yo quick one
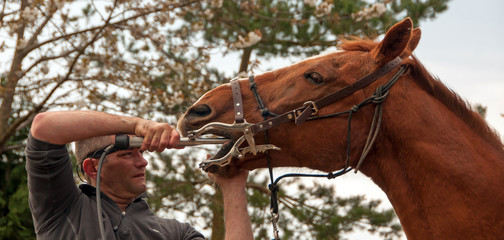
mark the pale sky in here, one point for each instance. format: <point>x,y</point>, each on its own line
<point>464,48</point>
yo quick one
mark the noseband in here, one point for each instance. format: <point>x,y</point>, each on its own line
<point>309,111</point>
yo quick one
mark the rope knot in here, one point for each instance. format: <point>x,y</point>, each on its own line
<point>354,108</point>
<point>253,86</point>
<point>265,112</point>
<point>379,99</point>
<point>274,200</point>
<point>273,188</point>
<point>380,95</point>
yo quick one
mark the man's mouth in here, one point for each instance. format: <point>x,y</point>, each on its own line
<point>140,175</point>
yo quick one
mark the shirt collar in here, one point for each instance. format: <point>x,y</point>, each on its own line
<point>91,191</point>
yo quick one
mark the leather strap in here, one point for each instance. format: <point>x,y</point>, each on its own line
<point>237,100</point>
<point>303,115</point>
<point>300,115</point>
<point>360,84</point>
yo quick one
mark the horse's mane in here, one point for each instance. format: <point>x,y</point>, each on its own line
<point>437,89</point>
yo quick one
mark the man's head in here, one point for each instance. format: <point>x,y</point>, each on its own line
<point>85,148</point>
<point>123,171</point>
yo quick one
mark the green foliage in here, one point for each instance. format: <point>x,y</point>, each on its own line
<point>298,28</point>
<point>327,216</point>
<point>481,110</point>
<point>15,215</point>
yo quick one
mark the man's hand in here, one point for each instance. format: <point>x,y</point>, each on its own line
<point>232,184</point>
<point>157,136</point>
<point>236,182</point>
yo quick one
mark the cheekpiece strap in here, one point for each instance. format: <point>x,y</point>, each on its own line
<point>237,100</point>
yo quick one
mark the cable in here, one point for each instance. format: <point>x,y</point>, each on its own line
<point>122,142</point>
<point>98,192</point>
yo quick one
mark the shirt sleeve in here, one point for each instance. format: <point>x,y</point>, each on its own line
<point>178,230</point>
<point>192,234</point>
<point>51,185</point>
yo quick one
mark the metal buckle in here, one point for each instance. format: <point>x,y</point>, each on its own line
<point>315,108</point>
<point>295,113</point>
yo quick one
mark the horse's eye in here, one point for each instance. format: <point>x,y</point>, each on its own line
<point>314,77</point>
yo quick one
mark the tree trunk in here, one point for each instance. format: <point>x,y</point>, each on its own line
<point>218,227</point>
<point>7,95</point>
<point>245,60</point>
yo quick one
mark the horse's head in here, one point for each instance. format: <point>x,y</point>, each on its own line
<point>318,144</point>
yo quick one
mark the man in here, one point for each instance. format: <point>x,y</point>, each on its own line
<point>61,210</point>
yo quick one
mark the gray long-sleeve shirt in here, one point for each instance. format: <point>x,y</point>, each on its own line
<point>61,210</point>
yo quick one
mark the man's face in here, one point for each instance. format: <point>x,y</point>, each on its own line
<point>123,174</point>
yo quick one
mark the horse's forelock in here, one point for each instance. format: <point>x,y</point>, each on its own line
<point>357,44</point>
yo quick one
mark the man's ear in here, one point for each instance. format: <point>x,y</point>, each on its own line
<point>90,166</point>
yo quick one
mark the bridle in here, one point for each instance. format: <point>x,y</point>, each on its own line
<point>309,111</point>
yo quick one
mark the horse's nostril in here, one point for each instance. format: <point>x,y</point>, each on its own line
<point>200,111</point>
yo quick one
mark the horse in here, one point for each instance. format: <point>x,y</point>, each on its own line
<point>439,163</point>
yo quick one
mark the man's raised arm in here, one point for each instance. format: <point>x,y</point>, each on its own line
<point>68,126</point>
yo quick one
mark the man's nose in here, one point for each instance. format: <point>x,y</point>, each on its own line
<point>140,160</point>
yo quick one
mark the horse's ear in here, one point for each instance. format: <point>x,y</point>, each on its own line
<point>413,42</point>
<point>395,42</point>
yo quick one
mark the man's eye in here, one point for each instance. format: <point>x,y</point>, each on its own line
<point>125,154</point>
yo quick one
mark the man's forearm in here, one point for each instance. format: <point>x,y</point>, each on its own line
<point>68,126</point>
<point>236,216</point>
<point>237,220</point>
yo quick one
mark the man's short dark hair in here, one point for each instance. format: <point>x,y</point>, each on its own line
<point>85,147</point>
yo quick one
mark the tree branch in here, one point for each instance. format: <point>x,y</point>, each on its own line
<point>101,27</point>
<point>12,147</point>
<point>12,128</point>
<point>46,58</point>
<point>2,13</point>
<point>37,32</point>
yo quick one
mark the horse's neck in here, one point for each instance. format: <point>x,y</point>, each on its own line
<point>443,179</point>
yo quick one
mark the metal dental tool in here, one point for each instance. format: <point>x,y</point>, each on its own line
<point>235,151</point>
<point>136,142</point>
<point>194,138</point>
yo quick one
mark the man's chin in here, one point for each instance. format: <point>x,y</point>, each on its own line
<point>139,188</point>
<point>142,189</point>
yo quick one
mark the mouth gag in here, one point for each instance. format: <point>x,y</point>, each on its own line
<point>195,138</point>
<point>235,151</point>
